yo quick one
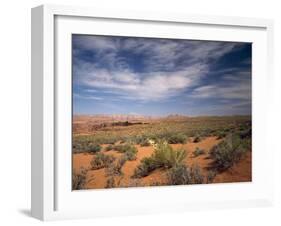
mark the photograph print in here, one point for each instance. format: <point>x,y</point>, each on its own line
<point>160,112</point>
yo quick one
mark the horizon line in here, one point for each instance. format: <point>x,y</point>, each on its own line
<point>162,116</point>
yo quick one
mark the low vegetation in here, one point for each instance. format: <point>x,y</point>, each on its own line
<point>145,143</point>
<point>163,157</point>
<point>226,141</point>
<point>101,161</point>
<point>181,174</point>
<point>171,130</point>
<point>110,182</point>
<point>86,147</point>
<point>229,151</point>
<point>130,151</point>
<point>177,139</point>
<point>197,152</point>
<point>146,166</point>
<point>79,179</point>
<point>211,176</point>
<point>109,147</point>
<point>115,169</point>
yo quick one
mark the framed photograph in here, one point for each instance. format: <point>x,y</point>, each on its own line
<point>137,112</point>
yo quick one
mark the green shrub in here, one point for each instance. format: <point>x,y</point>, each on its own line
<point>198,152</point>
<point>145,143</point>
<point>178,175</point>
<point>221,134</point>
<point>109,147</point>
<point>77,147</point>
<point>115,169</point>
<point>163,156</point>
<point>131,155</point>
<point>177,139</point>
<point>110,140</point>
<point>140,139</point>
<point>122,148</point>
<point>246,134</point>
<point>181,174</point>
<point>93,148</point>
<point>101,161</point>
<point>196,175</point>
<point>85,146</point>
<point>228,151</point>
<point>129,151</point>
<point>146,166</point>
<point>79,179</point>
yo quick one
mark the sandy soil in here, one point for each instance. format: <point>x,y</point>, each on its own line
<point>240,172</point>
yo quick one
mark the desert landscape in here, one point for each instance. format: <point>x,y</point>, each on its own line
<point>129,150</point>
<point>150,111</point>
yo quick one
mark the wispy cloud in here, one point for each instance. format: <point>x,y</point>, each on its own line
<point>153,70</point>
<point>142,86</point>
<point>91,97</point>
<point>232,86</point>
<point>169,67</point>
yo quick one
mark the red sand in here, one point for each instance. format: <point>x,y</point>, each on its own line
<point>240,172</point>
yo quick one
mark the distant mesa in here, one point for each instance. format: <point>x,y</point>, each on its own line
<point>176,116</point>
<point>125,117</point>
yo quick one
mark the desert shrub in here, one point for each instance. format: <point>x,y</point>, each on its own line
<point>247,144</point>
<point>79,179</point>
<point>110,183</point>
<point>129,151</point>
<point>196,175</point>
<point>141,139</point>
<point>197,139</point>
<point>109,147</point>
<point>246,134</point>
<point>93,148</point>
<point>122,148</point>
<point>198,152</point>
<point>131,155</point>
<point>133,183</point>
<point>177,139</point>
<point>101,161</point>
<point>163,156</point>
<point>85,146</point>
<point>146,166</point>
<point>211,176</point>
<point>145,143</point>
<point>76,147</point>
<point>228,151</point>
<point>115,169</point>
<point>221,134</point>
<point>181,174</point>
<point>109,140</point>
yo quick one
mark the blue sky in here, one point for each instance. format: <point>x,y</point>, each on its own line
<point>158,77</point>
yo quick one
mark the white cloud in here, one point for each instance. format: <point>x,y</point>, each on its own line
<point>231,87</point>
<point>141,86</point>
<point>88,97</point>
<point>169,67</point>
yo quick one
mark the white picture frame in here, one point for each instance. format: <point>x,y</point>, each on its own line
<point>52,197</point>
